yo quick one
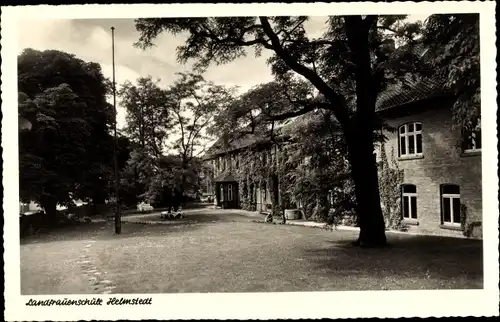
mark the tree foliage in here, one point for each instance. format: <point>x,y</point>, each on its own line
<point>180,114</point>
<point>454,42</point>
<point>67,153</point>
<point>194,104</point>
<point>148,115</point>
<point>315,169</point>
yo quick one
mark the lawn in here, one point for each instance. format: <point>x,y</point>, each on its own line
<point>243,256</point>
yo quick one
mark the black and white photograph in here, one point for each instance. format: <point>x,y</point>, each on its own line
<point>262,160</point>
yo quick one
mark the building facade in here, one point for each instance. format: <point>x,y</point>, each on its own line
<point>441,165</point>
<point>441,188</point>
<point>224,183</point>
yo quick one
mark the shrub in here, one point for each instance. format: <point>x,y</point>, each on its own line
<point>463,220</point>
<point>390,180</point>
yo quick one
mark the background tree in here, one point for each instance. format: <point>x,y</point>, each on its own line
<point>67,153</point>
<point>348,66</point>
<point>194,103</point>
<point>148,118</point>
<point>148,124</point>
<point>453,40</point>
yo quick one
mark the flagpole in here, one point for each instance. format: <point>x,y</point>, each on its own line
<point>118,223</point>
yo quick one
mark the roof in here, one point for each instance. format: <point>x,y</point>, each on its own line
<point>394,96</point>
<point>240,142</point>
<point>408,91</point>
<point>243,141</point>
<point>399,94</point>
<point>225,177</point>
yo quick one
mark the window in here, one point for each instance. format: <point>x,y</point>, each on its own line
<point>237,161</point>
<point>230,192</point>
<point>409,201</point>
<point>472,137</point>
<point>450,204</point>
<point>410,139</point>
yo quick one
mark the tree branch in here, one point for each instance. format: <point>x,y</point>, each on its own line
<point>240,41</point>
<point>304,110</point>
<point>288,33</point>
<point>179,117</point>
<point>337,102</point>
<point>387,28</point>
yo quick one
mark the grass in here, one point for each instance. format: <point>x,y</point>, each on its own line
<point>233,255</point>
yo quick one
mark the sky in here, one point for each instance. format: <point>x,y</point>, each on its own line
<point>90,40</point>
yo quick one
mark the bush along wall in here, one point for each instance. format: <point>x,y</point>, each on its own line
<point>390,179</point>
<point>251,174</point>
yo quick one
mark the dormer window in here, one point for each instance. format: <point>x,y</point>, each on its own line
<point>472,137</point>
<point>410,139</point>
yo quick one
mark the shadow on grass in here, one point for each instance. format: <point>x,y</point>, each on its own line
<point>106,231</point>
<point>84,231</point>
<point>414,257</point>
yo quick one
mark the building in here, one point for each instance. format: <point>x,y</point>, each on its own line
<point>441,188</point>
<point>225,165</point>
<point>441,164</point>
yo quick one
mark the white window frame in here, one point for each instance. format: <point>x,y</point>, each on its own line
<point>409,195</point>
<point>407,140</point>
<point>230,192</point>
<point>473,133</point>
<point>450,197</point>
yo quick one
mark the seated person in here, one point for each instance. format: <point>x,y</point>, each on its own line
<point>178,213</point>
<point>166,214</point>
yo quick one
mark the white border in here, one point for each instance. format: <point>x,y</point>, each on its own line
<point>256,305</point>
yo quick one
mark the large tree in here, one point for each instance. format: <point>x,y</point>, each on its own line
<point>348,66</point>
<point>66,154</point>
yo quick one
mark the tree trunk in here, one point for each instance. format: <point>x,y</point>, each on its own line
<point>49,205</point>
<point>365,177</point>
<point>97,202</point>
<point>359,135</point>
